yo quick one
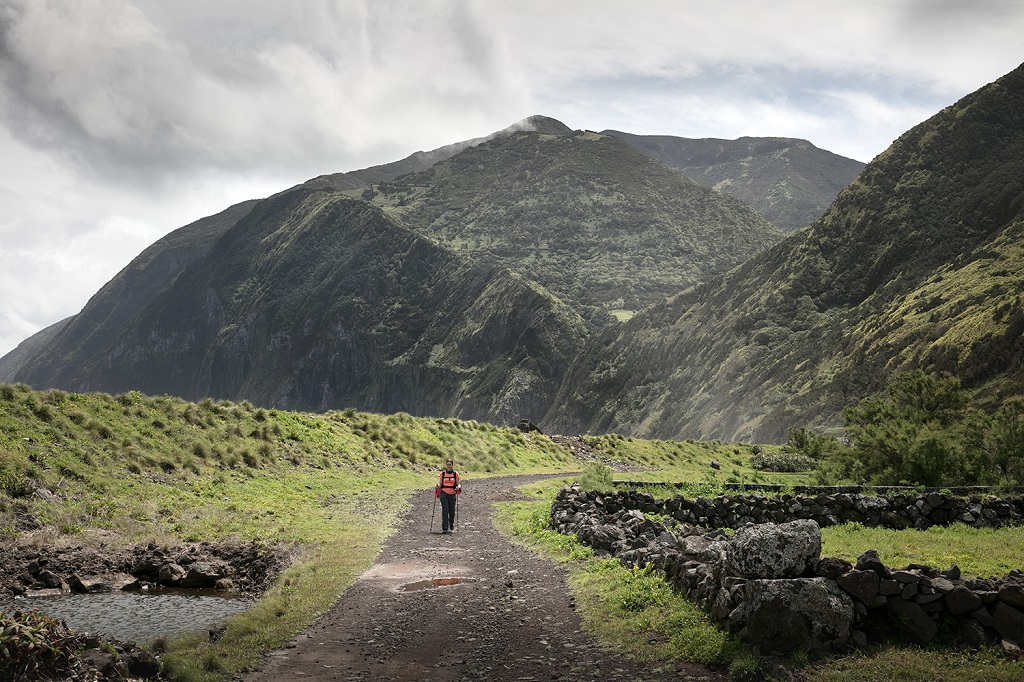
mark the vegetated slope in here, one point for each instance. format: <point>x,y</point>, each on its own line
<point>916,265</point>
<point>317,301</point>
<point>788,181</point>
<point>598,223</point>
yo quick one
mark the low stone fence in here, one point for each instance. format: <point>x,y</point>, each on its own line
<point>769,584</point>
<point>897,510</point>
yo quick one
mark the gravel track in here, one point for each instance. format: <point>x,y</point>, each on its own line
<point>513,619</point>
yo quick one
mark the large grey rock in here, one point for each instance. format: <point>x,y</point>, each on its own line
<point>202,574</point>
<point>962,600</point>
<point>774,550</point>
<point>1008,622</point>
<point>912,617</point>
<point>49,578</point>
<point>103,583</point>
<point>170,574</point>
<point>863,585</point>
<point>870,561</point>
<point>783,616</point>
<point>1012,594</point>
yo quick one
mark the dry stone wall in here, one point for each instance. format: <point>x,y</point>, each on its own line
<point>769,584</point>
<point>896,510</point>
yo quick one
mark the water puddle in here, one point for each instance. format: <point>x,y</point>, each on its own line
<point>136,616</point>
<point>431,583</point>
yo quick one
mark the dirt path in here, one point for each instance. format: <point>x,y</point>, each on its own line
<point>513,621</point>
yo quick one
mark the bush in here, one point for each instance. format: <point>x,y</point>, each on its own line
<point>34,645</point>
<point>782,462</point>
<point>598,477</point>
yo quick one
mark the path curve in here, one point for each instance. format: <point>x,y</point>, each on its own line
<point>514,621</point>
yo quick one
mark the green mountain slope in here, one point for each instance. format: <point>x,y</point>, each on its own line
<point>916,264</point>
<point>315,301</point>
<point>788,181</point>
<point>598,223</point>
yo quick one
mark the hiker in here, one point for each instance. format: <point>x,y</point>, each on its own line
<point>448,486</point>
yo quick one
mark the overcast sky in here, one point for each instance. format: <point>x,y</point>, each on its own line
<point>121,121</point>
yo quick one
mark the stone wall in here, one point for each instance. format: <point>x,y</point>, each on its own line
<point>769,584</point>
<point>897,510</point>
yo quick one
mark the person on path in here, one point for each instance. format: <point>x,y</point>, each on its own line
<point>448,486</point>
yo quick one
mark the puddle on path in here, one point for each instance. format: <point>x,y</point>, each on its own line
<point>136,616</point>
<point>431,583</point>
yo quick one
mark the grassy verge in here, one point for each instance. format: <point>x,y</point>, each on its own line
<point>633,611</point>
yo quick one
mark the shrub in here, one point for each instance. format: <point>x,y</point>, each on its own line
<point>34,645</point>
<point>598,477</point>
<point>782,462</point>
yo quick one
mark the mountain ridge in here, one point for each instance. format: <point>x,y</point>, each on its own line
<point>789,181</point>
<point>773,343</point>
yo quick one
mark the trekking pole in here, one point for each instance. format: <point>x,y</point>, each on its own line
<point>455,516</point>
<point>433,512</point>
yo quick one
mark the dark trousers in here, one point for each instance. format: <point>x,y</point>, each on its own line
<point>447,511</point>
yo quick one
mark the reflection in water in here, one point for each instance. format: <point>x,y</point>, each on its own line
<point>432,583</point>
<point>135,616</point>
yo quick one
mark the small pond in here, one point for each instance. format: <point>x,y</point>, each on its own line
<point>136,616</point>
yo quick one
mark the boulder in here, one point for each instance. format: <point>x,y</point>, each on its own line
<point>912,617</point>
<point>774,550</point>
<point>103,583</point>
<point>962,600</point>
<point>1008,622</point>
<point>869,561</point>
<point>970,633</point>
<point>863,585</point>
<point>800,614</point>
<point>49,578</point>
<point>1010,593</point>
<point>202,574</point>
<point>170,575</point>
<point>142,664</point>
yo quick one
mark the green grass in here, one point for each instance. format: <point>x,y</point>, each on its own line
<point>914,664</point>
<point>979,552</point>
<point>633,611</point>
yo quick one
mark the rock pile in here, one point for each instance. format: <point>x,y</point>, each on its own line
<point>769,584</point>
<point>247,568</point>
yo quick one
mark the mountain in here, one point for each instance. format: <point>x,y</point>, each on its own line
<point>788,181</point>
<point>313,300</point>
<point>598,223</point>
<point>27,349</point>
<point>918,264</point>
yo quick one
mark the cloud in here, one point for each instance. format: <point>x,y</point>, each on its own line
<point>143,91</point>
